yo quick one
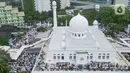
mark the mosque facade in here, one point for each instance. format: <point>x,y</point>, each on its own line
<point>79,43</point>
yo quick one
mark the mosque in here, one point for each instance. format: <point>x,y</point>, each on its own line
<point>79,43</point>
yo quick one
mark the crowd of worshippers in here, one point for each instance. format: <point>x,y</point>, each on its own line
<point>122,35</point>
<point>94,66</point>
<point>128,41</point>
<point>26,39</point>
<point>40,63</point>
<point>126,55</point>
<point>25,62</point>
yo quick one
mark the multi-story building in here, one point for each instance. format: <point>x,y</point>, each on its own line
<point>65,3</point>
<point>10,16</point>
<point>45,5</point>
<point>42,5</point>
<point>105,1</point>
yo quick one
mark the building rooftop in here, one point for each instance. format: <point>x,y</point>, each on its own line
<point>21,14</point>
<point>8,8</point>
<point>14,10</point>
<point>2,3</point>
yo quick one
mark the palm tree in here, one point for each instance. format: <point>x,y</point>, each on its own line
<point>3,67</point>
<point>4,56</point>
<point>23,72</point>
<point>4,59</point>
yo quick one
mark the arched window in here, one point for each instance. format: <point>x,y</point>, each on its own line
<point>91,57</point>
<point>75,35</point>
<point>78,35</point>
<point>62,57</point>
<point>72,34</point>
<point>107,57</point>
<point>54,57</point>
<point>82,34</point>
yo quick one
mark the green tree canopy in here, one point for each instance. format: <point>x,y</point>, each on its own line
<point>4,59</point>
<point>90,15</point>
<point>115,27</point>
<point>3,67</point>
<point>107,15</point>
<point>23,72</point>
<point>28,6</point>
<point>4,40</point>
<point>63,19</point>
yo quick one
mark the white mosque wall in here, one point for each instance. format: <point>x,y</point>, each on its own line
<point>81,58</point>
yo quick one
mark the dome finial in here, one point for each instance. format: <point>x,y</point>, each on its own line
<point>95,23</point>
<point>79,12</point>
<point>54,3</point>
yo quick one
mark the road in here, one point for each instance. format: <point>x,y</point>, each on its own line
<point>88,5</point>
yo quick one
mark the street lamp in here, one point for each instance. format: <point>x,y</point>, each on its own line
<point>97,8</point>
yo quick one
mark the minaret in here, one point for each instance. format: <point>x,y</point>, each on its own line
<point>54,6</point>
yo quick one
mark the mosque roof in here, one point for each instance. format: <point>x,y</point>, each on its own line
<point>94,41</point>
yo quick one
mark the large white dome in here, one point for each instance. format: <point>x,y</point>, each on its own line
<point>78,23</point>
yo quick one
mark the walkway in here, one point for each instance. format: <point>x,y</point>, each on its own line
<point>120,46</point>
<point>15,53</point>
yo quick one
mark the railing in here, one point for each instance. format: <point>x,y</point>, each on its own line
<point>27,46</point>
<point>125,60</point>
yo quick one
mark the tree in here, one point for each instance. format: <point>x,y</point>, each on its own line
<point>3,67</point>
<point>4,40</point>
<point>90,15</point>
<point>61,12</point>
<point>62,20</point>
<point>123,19</point>
<point>29,6</point>
<point>4,56</point>
<point>23,72</point>
<point>115,27</point>
<point>107,15</point>
<point>4,59</point>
